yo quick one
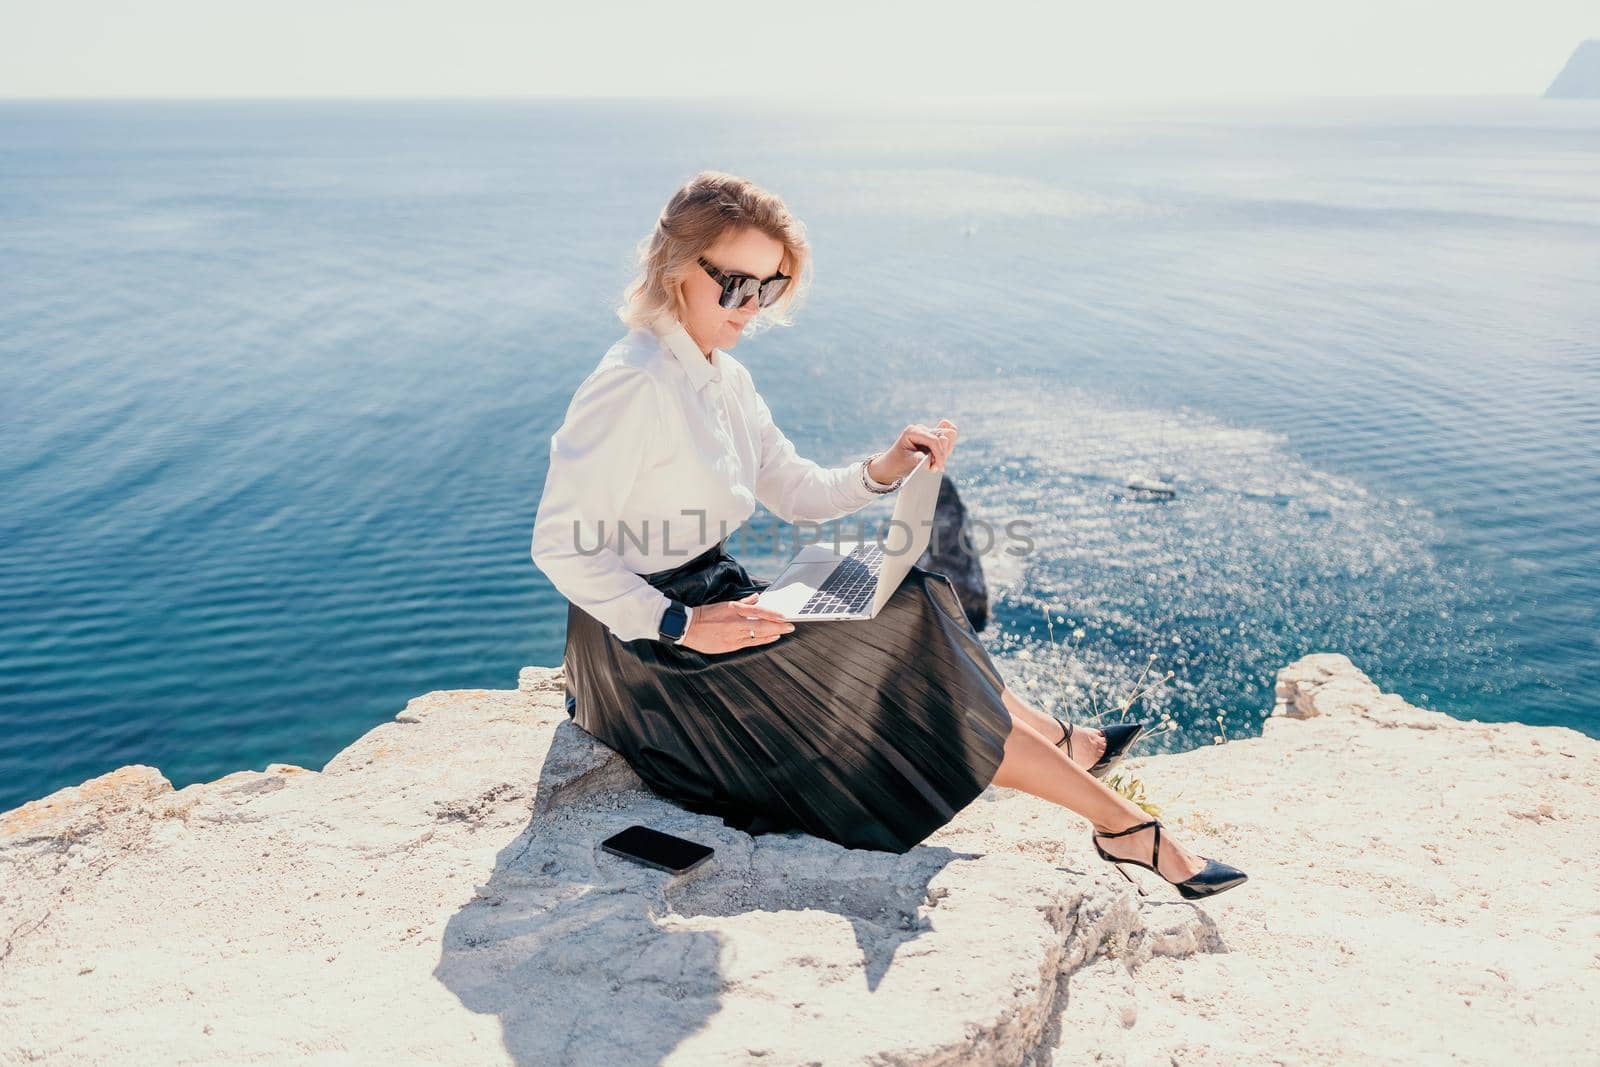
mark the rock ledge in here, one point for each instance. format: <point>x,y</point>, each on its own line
<point>1420,887</point>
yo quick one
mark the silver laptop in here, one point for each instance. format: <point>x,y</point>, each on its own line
<point>855,582</point>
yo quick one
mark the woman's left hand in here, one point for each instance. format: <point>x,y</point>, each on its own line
<point>901,457</point>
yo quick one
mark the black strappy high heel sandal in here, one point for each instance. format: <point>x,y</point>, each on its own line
<point>1119,738</point>
<point>1212,879</point>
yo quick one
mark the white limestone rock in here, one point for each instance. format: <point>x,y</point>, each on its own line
<point>437,894</point>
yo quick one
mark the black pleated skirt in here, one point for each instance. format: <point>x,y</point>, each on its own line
<point>870,733</point>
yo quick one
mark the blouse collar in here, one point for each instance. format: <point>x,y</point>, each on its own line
<point>677,340</point>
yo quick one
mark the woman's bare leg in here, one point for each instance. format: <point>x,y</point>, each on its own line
<point>1034,765</point>
<point>1088,744</point>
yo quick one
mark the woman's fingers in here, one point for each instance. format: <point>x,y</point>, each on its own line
<point>762,633</point>
<point>747,617</point>
<point>767,615</point>
<point>947,432</point>
<point>763,614</point>
<point>739,624</point>
<point>936,446</point>
<point>938,441</point>
<point>747,608</point>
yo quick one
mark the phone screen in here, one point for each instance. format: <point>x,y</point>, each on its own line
<point>656,849</point>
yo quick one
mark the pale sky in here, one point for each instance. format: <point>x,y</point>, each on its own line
<point>1209,48</point>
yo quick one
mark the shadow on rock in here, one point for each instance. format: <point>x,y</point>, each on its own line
<point>588,957</point>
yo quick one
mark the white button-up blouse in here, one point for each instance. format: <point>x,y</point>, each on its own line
<point>661,454</point>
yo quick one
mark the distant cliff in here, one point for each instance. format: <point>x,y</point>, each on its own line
<point>1580,78</point>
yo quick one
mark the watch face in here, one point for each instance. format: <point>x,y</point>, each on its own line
<point>674,622</point>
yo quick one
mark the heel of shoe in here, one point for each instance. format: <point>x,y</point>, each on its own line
<point>1131,880</point>
<point>1120,737</point>
<point>1117,863</point>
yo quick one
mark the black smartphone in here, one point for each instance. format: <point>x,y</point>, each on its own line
<point>656,849</point>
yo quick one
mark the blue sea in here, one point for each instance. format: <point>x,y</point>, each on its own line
<point>277,381</point>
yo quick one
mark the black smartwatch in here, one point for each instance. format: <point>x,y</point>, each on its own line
<point>674,622</point>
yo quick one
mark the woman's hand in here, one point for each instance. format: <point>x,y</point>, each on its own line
<point>732,624</point>
<point>901,457</point>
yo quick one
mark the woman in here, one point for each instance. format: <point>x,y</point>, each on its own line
<point>873,733</point>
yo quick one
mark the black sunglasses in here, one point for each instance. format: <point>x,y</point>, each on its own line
<point>737,288</point>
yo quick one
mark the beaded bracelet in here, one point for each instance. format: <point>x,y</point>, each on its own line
<point>866,479</point>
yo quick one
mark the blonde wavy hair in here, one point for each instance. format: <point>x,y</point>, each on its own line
<point>707,206</point>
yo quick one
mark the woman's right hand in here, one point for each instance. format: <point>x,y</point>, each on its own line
<point>733,624</point>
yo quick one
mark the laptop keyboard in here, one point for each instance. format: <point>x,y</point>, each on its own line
<point>851,585</point>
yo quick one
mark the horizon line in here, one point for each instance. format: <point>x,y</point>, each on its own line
<point>792,98</point>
